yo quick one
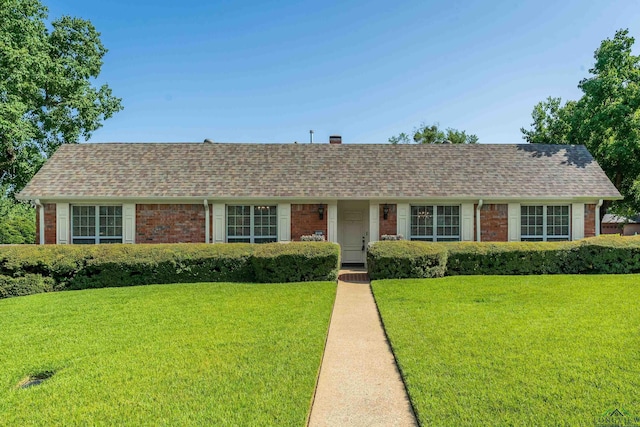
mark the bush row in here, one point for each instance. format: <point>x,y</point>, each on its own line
<point>599,255</point>
<point>81,267</point>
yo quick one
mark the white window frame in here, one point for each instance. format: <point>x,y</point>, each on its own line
<point>434,237</point>
<point>252,237</point>
<point>96,237</point>
<point>545,237</point>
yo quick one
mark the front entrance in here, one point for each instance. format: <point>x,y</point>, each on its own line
<point>353,225</point>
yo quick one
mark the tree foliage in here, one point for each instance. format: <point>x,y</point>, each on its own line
<point>47,96</point>
<point>432,134</point>
<point>606,118</point>
<point>17,222</point>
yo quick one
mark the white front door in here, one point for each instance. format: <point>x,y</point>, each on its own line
<point>353,237</point>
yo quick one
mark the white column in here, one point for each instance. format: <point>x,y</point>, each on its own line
<point>466,234</point>
<point>62,223</point>
<point>129,222</point>
<point>374,222</point>
<point>332,222</point>
<point>207,222</point>
<point>514,222</point>
<point>577,221</point>
<point>284,222</point>
<point>218,222</point>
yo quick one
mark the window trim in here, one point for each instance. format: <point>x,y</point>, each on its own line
<point>545,237</point>
<point>434,237</point>
<point>97,238</point>
<point>252,236</point>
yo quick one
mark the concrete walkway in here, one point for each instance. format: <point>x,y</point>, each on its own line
<point>359,383</point>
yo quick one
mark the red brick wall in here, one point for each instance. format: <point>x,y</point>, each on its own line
<point>389,225</point>
<point>494,223</point>
<point>589,220</point>
<point>49,224</point>
<point>170,223</point>
<point>305,220</point>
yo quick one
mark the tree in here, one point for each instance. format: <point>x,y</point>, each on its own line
<point>17,222</point>
<point>606,118</point>
<point>46,93</point>
<point>432,134</point>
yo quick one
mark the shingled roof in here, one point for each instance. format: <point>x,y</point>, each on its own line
<point>319,171</point>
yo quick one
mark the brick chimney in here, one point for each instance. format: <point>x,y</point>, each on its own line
<point>335,139</point>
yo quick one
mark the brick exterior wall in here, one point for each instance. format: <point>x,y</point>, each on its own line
<point>49,224</point>
<point>589,220</point>
<point>305,220</point>
<point>170,223</point>
<point>389,225</point>
<point>494,223</point>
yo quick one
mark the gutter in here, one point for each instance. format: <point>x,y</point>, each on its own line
<point>600,202</point>
<point>478,233</point>
<point>40,207</point>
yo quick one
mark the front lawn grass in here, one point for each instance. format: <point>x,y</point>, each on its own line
<point>525,350</point>
<point>189,354</point>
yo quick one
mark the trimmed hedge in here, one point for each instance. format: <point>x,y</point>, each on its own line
<point>403,259</point>
<point>597,255</point>
<point>98,266</point>
<point>27,285</point>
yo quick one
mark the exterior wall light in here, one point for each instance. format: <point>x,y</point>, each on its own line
<point>385,212</point>
<point>321,211</point>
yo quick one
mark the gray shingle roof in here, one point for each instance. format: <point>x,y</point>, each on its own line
<point>162,170</point>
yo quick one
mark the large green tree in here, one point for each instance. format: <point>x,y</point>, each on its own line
<point>432,134</point>
<point>606,118</point>
<point>47,91</point>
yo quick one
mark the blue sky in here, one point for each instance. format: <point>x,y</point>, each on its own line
<point>268,71</point>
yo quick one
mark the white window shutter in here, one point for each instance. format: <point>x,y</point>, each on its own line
<point>129,222</point>
<point>284,222</point>
<point>514,222</point>
<point>577,221</point>
<point>403,225</point>
<point>466,233</point>
<point>218,223</point>
<point>62,223</point>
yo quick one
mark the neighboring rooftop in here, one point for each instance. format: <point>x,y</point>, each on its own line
<point>615,219</point>
<point>324,171</point>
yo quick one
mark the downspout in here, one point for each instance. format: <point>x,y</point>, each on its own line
<point>478,233</point>
<point>40,207</point>
<point>600,202</point>
<point>206,221</point>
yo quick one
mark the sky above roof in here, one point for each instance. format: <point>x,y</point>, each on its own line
<point>269,71</point>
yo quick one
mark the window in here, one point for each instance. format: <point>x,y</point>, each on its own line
<point>96,224</point>
<point>435,223</point>
<point>252,224</point>
<point>544,223</point>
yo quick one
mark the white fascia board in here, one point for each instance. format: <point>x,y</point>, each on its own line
<point>313,200</point>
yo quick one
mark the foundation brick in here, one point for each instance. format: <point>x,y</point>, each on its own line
<point>389,225</point>
<point>171,223</point>
<point>305,220</point>
<point>494,223</point>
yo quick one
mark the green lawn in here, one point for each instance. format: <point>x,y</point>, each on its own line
<point>194,354</point>
<point>526,350</point>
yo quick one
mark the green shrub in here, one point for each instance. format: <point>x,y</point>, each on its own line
<point>130,265</point>
<point>505,258</point>
<point>403,259</point>
<point>26,285</point>
<point>99,266</point>
<point>598,255</point>
<point>296,262</point>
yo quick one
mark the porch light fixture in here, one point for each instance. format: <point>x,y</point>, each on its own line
<point>385,212</point>
<point>321,211</point>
